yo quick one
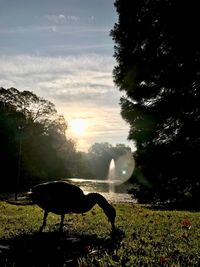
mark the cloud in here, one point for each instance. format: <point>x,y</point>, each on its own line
<point>79,86</point>
<point>73,18</point>
<point>26,29</point>
<point>56,19</point>
<point>66,79</point>
<point>92,18</point>
<point>60,19</point>
<point>57,25</point>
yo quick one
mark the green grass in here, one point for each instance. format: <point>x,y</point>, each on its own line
<point>145,237</point>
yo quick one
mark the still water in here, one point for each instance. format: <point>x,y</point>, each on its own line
<point>102,187</point>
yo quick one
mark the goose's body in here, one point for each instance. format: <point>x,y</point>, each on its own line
<point>61,198</point>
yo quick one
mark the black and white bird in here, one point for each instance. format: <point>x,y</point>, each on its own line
<point>60,197</point>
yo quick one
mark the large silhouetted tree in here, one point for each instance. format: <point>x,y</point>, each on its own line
<point>34,146</point>
<point>157,48</point>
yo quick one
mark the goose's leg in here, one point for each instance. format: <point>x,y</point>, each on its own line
<point>44,220</point>
<point>61,222</point>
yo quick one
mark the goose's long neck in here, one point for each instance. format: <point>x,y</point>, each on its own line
<point>95,198</point>
<point>102,202</point>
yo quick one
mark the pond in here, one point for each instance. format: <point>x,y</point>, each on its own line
<point>102,187</point>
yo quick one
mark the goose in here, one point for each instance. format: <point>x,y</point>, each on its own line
<point>60,197</point>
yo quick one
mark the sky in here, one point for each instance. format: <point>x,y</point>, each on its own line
<point>61,50</point>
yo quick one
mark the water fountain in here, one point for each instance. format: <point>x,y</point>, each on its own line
<point>111,176</point>
<point>120,170</point>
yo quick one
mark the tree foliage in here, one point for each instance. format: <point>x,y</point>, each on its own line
<point>33,143</point>
<point>157,48</point>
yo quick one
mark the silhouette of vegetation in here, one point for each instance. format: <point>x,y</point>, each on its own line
<point>34,146</point>
<point>157,48</point>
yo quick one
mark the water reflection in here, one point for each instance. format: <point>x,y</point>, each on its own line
<point>102,187</point>
<point>90,185</point>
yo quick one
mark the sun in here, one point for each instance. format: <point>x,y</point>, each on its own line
<point>78,126</point>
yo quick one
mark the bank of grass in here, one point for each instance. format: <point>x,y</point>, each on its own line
<point>145,237</point>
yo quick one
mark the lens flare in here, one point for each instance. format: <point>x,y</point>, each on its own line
<point>124,167</point>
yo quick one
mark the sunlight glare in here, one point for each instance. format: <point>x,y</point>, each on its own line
<point>78,126</point>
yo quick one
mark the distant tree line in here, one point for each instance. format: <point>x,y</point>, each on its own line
<point>157,48</point>
<point>100,155</point>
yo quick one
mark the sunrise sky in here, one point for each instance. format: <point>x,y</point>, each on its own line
<point>61,50</point>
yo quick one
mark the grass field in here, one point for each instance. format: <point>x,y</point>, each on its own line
<point>145,237</point>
